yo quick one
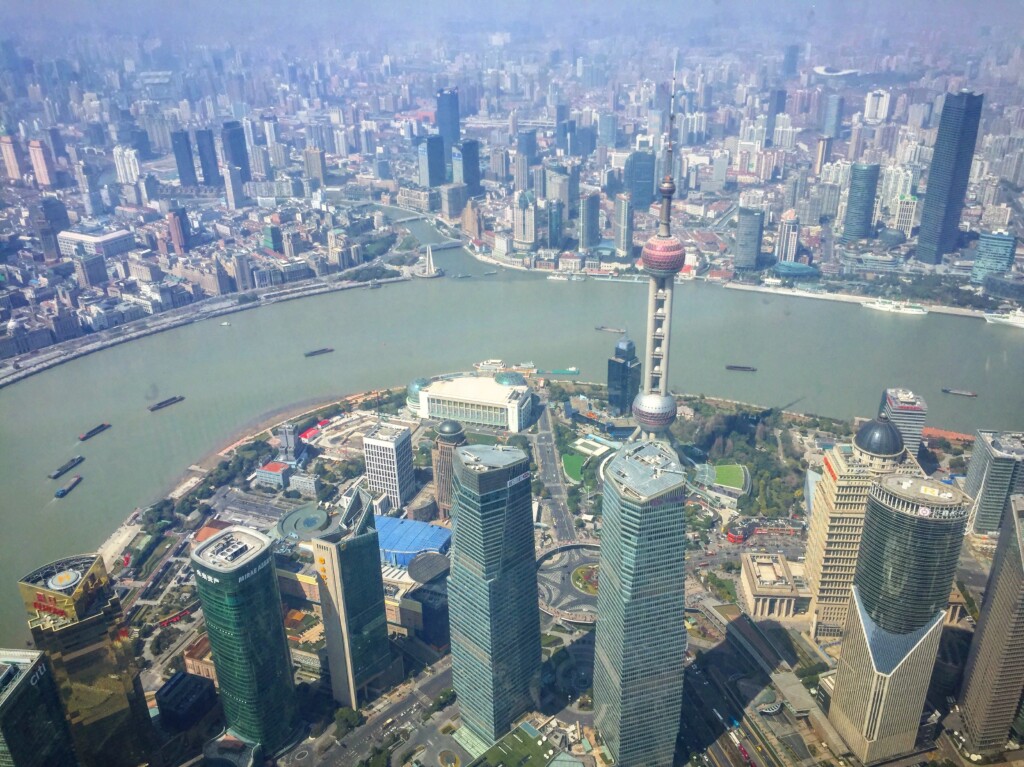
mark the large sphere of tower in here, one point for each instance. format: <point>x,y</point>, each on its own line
<point>654,412</point>
<point>663,256</point>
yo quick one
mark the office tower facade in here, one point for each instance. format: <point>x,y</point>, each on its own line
<point>590,220</point>
<point>126,164</point>
<point>638,178</point>
<point>994,255</point>
<point>994,674</point>
<point>50,220</point>
<point>906,214</point>
<point>776,106</point>
<point>554,223</point>
<point>14,161</point>
<point>996,472</point>
<point>521,172</point>
<point>790,57</point>
<point>948,175</point>
<point>833,123</point>
<point>232,137</point>
<point>908,411</point>
<point>387,450</point>
<point>822,154</point>
<point>524,222</point>
<point>237,586</point>
<point>837,518</point>
<point>208,158</point>
<point>33,730</point>
<point>179,229</point>
<point>430,154</point>
<point>466,165</point>
<point>623,226</point>
<point>859,223</point>
<point>234,195</point>
<point>450,436</point>
<point>787,241</point>
<point>526,145</point>
<point>183,159</point>
<point>75,617</point>
<point>352,599</point>
<point>447,119</point>
<point>913,532</point>
<point>242,271</point>
<point>315,162</point>
<point>638,672</point>
<point>877,106</point>
<point>492,589</point>
<point>749,235</point>
<point>42,164</point>
<point>624,373</point>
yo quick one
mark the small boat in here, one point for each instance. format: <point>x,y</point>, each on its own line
<point>559,277</point>
<point>490,273</point>
<point>741,368</point>
<point>225,324</point>
<point>609,329</point>
<point>895,307</point>
<point>93,432</point>
<point>463,276</point>
<point>64,469</point>
<point>68,487</point>
<point>577,277</point>
<point>490,366</point>
<point>573,371</point>
<point>959,392</point>
<point>318,352</point>
<point>166,403</point>
<point>1014,318</point>
<point>524,367</point>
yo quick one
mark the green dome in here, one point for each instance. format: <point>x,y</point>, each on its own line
<point>412,391</point>
<point>510,378</point>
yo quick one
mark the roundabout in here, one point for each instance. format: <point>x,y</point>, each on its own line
<point>567,582</point>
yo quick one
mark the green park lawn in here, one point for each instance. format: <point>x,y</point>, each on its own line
<point>729,475</point>
<point>573,465</point>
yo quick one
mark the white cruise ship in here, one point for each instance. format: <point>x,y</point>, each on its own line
<point>1014,318</point>
<point>896,307</point>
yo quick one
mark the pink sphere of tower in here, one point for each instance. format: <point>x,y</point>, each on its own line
<point>663,256</point>
<point>654,412</point>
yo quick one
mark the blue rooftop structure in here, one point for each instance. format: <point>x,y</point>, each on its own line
<point>400,540</point>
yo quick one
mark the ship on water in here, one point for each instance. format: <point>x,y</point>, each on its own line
<point>1013,319</point>
<point>318,352</point>
<point>68,487</point>
<point>959,392</point>
<point>741,368</point>
<point>500,366</point>
<point>166,403</point>
<point>93,432</point>
<point>65,468</point>
<point>609,329</point>
<point>895,307</point>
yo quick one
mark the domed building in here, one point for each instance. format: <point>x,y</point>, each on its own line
<point>879,443</point>
<point>450,435</point>
<point>504,401</point>
<point>412,393</point>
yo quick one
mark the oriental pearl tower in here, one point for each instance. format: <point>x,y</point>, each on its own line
<point>663,258</point>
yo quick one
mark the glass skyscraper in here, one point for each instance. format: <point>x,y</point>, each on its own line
<point>749,234</point>
<point>948,176</point>
<point>624,371</point>
<point>232,136</point>
<point>183,158</point>
<point>860,203</point>
<point>208,158</point>
<point>996,472</point>
<point>33,730</point>
<point>466,165</point>
<point>430,155</point>
<point>638,178</point>
<point>447,119</point>
<point>492,588</point>
<point>237,586</point>
<point>640,639</point>
<point>994,255</point>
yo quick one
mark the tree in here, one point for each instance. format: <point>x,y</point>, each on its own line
<point>346,720</point>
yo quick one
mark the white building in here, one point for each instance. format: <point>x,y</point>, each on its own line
<point>387,449</point>
<point>108,244</point>
<point>126,163</point>
<point>504,401</point>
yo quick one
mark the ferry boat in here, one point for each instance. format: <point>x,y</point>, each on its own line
<point>895,307</point>
<point>577,277</point>
<point>741,368</point>
<point>490,366</point>
<point>166,403</point>
<point>609,329</point>
<point>491,273</point>
<point>523,367</point>
<point>573,371</point>
<point>64,469</point>
<point>1014,318</point>
<point>959,392</point>
<point>68,487</point>
<point>462,276</point>
<point>225,324</point>
<point>93,432</point>
<point>559,277</point>
<point>318,352</point>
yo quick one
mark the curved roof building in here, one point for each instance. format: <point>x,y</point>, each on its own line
<point>401,540</point>
<point>880,437</point>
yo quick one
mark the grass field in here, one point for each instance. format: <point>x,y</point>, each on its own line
<point>573,465</point>
<point>517,749</point>
<point>729,475</point>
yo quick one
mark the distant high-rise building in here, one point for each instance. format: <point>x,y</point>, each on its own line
<point>75,617</point>
<point>179,229</point>
<point>860,203</point>
<point>906,212</point>
<point>995,254</point>
<point>492,590</point>
<point>315,162</point>
<point>499,164</point>
<point>348,571</point>
<point>749,234</point>
<point>233,190</point>
<point>56,141</point>
<point>526,145</point>
<point>431,161</point>
<point>50,220</point>
<point>623,226</point>
<point>833,124</point>
<point>387,450</point>
<point>524,221</point>
<point>822,154</point>
<point>450,436</point>
<point>42,164</point>
<point>607,127</point>
<point>447,119</point>
<point>948,175</point>
<point>208,158</point>
<point>33,730</point>
<point>910,547</point>
<point>996,472</point>
<point>787,240</point>
<point>776,106</point>
<point>590,220</point>
<point>232,137</point>
<point>521,172</point>
<point>554,223</point>
<point>126,164</point>
<point>638,178</point>
<point>994,674</point>
<point>183,159</point>
<point>242,271</point>
<point>14,161</point>
<point>624,372</point>
<point>237,586</point>
<point>790,58</point>
<point>908,412</point>
<point>877,106</point>
<point>466,165</point>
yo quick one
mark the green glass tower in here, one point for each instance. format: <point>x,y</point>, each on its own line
<point>641,636</point>
<point>492,589</point>
<point>238,590</point>
<point>33,730</point>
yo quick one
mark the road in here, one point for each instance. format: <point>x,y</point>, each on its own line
<point>549,469</point>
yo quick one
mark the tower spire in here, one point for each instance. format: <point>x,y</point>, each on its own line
<point>668,186</point>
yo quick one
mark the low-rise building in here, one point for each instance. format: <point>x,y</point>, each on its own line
<point>504,401</point>
<point>274,474</point>
<point>772,587</point>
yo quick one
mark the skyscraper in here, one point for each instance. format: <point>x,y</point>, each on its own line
<point>787,241</point>
<point>75,617</point>
<point>233,191</point>
<point>908,412</point>
<point>50,220</point>
<point>315,164</point>
<point>42,164</point>
<point>995,473</point>
<point>14,160</point>
<point>466,165</point>
<point>638,178</point>
<point>232,136</point>
<point>183,159</point>
<point>33,730</point>
<point>994,675</point>
<point>948,176</point>
<point>431,161</point>
<point>526,145</point>
<point>450,435</point>
<point>822,154</point>
<point>994,255</point>
<point>352,600</point>
<point>590,220</point>
<point>495,618</point>
<point>237,586</point>
<point>126,164</point>
<point>178,229</point>
<point>913,531</point>
<point>749,234</point>
<point>447,119</point>
<point>833,123</point>
<point>387,450</point>
<point>624,372</point>
<point>790,57</point>
<point>776,106</point>
<point>208,158</point>
<point>623,226</point>
<point>860,203</point>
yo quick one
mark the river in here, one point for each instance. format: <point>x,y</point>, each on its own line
<point>814,356</point>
